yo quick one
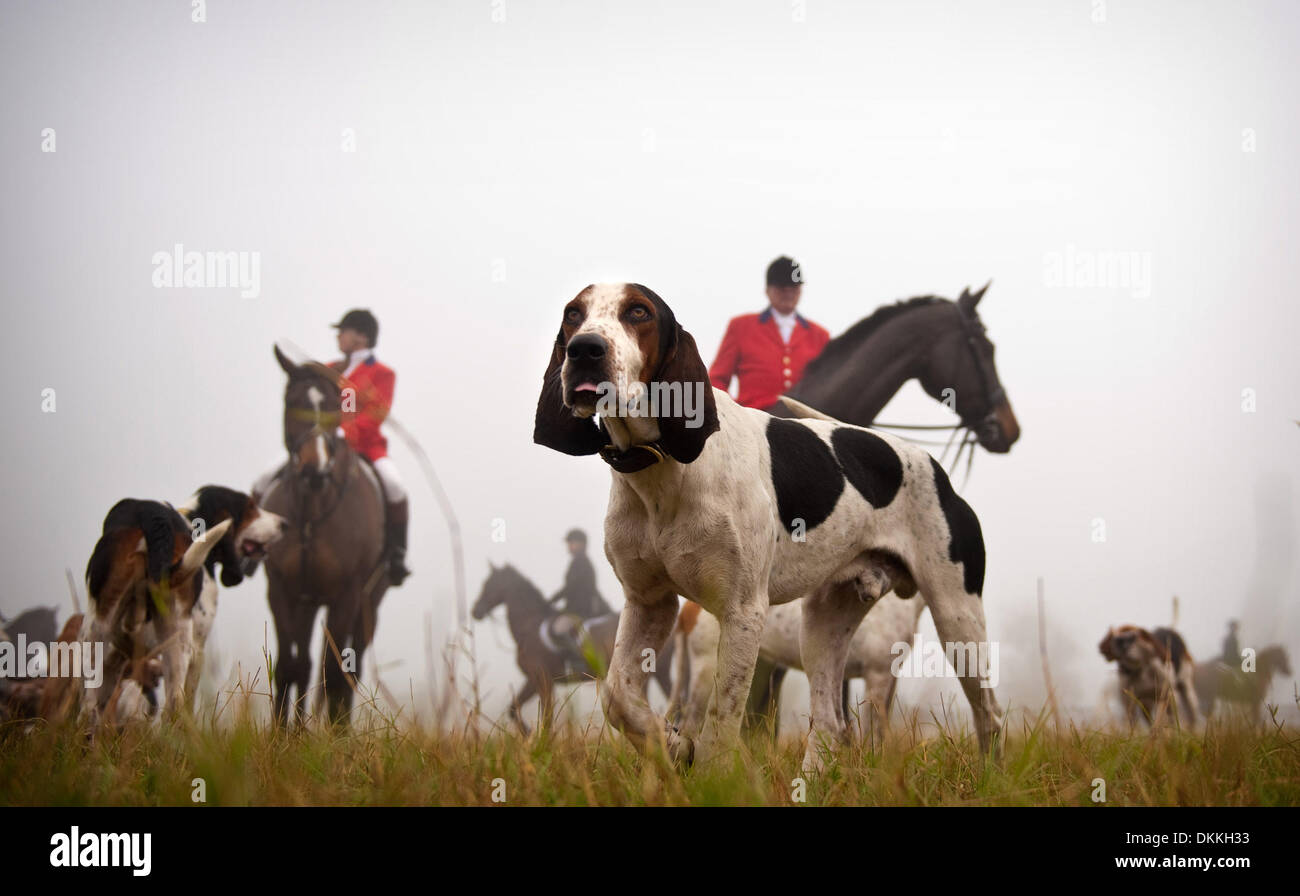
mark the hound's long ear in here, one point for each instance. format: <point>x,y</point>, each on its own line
<point>689,424</point>
<point>555,426</point>
<point>1105,646</point>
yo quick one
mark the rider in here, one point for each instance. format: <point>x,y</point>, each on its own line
<point>363,410</point>
<point>768,351</point>
<point>581,601</point>
<point>1231,647</point>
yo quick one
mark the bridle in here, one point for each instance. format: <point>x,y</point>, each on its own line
<point>324,424</point>
<point>968,430</point>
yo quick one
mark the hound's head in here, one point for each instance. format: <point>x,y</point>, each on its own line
<point>621,353</point>
<point>252,529</point>
<point>1131,647</point>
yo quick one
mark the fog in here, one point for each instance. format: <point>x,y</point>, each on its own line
<point>464,169</point>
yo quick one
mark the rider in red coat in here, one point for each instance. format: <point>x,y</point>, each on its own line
<point>364,409</point>
<point>768,351</point>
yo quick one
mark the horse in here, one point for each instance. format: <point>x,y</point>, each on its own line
<point>942,344</point>
<point>332,552</point>
<point>39,624</point>
<point>529,615</point>
<point>1216,680</point>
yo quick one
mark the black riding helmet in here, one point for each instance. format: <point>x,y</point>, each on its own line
<point>363,322</point>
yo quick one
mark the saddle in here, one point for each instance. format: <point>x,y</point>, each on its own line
<point>565,635</point>
<point>369,471</point>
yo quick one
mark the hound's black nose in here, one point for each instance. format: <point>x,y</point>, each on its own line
<point>587,347</point>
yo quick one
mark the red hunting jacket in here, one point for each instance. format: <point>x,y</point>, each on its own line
<point>374,396</point>
<point>753,351</point>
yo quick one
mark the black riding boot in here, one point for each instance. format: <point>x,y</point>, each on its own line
<point>395,535</point>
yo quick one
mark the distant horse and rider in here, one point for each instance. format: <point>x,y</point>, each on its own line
<point>545,654</point>
<point>1231,678</point>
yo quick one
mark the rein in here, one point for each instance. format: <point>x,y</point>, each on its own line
<point>969,441</point>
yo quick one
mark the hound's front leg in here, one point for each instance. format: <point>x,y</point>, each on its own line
<point>177,658</point>
<point>830,618</point>
<point>741,633</point>
<point>644,625</point>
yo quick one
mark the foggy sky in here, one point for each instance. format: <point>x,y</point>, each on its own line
<point>501,166</point>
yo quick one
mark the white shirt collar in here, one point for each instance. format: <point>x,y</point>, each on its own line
<point>357,357</point>
<point>784,323</point>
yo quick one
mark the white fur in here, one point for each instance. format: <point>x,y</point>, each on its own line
<point>870,657</point>
<point>709,531</point>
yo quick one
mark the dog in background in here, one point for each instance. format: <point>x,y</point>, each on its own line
<point>1153,667</point>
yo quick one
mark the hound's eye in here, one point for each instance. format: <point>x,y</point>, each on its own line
<point>573,316</point>
<point>638,313</point>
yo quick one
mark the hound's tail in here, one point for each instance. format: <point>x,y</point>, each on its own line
<point>799,409</point>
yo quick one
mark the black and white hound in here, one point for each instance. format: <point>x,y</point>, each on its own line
<point>736,510</point>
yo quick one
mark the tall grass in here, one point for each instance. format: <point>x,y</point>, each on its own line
<point>383,760</point>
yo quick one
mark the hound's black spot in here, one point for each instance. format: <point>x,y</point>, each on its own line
<point>965,539</point>
<point>808,482</point>
<point>872,467</point>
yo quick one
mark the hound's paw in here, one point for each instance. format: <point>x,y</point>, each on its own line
<point>680,746</point>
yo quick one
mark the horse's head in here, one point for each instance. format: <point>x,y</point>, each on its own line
<point>961,360</point>
<point>496,589</point>
<point>312,413</point>
<point>1277,659</point>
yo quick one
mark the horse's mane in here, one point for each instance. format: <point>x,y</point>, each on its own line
<point>838,348</point>
<point>522,581</point>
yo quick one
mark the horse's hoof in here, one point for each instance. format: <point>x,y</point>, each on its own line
<point>680,747</point>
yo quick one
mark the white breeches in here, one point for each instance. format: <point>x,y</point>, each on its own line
<point>391,478</point>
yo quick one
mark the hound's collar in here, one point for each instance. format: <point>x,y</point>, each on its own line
<point>634,459</point>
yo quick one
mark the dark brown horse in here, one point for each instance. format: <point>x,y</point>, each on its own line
<point>1216,680</point>
<point>331,555</point>
<point>527,613</point>
<point>938,342</point>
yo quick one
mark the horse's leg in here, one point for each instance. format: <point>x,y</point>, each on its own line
<point>545,687</point>
<point>526,693</point>
<point>339,622</point>
<point>284,671</point>
<point>304,614</point>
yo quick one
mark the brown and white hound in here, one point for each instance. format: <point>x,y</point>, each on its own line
<point>1153,667</point>
<point>152,584</point>
<point>737,510</point>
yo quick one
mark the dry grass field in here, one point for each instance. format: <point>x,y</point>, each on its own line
<point>243,761</point>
